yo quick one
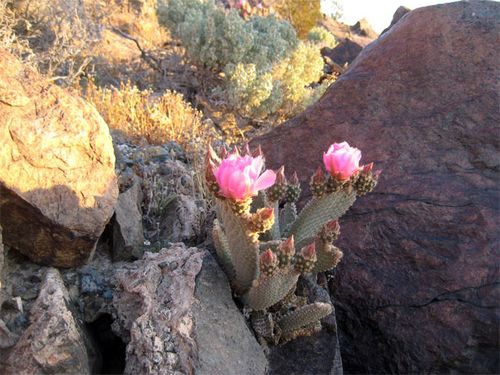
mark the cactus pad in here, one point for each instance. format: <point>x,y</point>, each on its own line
<point>318,212</point>
<point>268,291</point>
<point>243,247</point>
<point>304,316</point>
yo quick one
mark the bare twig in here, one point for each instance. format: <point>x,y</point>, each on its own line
<point>152,61</point>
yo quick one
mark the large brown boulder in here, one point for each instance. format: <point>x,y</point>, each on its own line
<point>57,181</point>
<point>418,288</point>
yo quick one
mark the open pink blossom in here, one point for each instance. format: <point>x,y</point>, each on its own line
<point>342,160</point>
<point>239,177</point>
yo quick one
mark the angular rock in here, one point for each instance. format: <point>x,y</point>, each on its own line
<point>182,221</point>
<point>57,180</point>
<point>225,343</point>
<point>128,236</point>
<point>418,288</point>
<point>363,28</point>
<point>53,342</point>
<point>153,301</point>
<point>344,53</point>
<point>398,14</point>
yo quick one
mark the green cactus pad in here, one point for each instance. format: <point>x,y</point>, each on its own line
<point>222,250</point>
<point>304,316</point>
<point>318,212</point>
<point>288,215</point>
<point>268,291</point>
<point>327,256</point>
<point>243,247</point>
<point>275,230</point>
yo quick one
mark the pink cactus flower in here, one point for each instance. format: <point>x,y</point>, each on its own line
<point>342,160</point>
<point>239,177</point>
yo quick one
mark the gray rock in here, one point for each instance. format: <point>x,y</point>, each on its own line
<point>225,343</point>
<point>128,236</point>
<point>153,301</point>
<point>54,342</point>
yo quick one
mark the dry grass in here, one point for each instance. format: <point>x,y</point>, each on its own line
<point>158,119</point>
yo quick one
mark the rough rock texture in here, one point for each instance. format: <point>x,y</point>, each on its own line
<point>418,288</point>
<point>225,343</point>
<point>128,236</point>
<point>54,342</point>
<point>153,302</point>
<point>57,180</point>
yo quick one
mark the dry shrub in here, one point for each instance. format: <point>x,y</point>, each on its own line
<point>157,119</point>
<point>302,14</point>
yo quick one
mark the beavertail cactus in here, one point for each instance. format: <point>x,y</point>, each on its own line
<point>264,245</point>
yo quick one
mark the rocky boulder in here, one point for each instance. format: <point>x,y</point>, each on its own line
<point>178,320</point>
<point>54,342</point>
<point>418,288</point>
<point>57,181</point>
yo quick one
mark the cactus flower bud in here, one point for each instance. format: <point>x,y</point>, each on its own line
<point>330,231</point>
<point>268,262</point>
<point>262,220</point>
<point>286,251</point>
<point>342,160</point>
<point>367,168</point>
<point>278,191</point>
<point>367,180</point>
<point>309,252</point>
<point>305,261</point>
<point>293,189</point>
<point>239,177</point>
<point>317,184</point>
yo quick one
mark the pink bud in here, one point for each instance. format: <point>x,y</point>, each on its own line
<point>342,160</point>
<point>266,213</point>
<point>288,246</point>
<point>332,226</point>
<point>239,177</point>
<point>268,258</point>
<point>309,252</point>
<point>318,177</point>
<point>367,168</point>
<point>280,176</point>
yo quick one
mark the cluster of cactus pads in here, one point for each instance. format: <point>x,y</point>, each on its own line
<point>264,246</point>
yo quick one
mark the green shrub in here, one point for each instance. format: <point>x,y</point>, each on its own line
<point>267,69</point>
<point>321,36</point>
<point>214,37</point>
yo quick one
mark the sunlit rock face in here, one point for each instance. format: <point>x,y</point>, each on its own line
<point>417,289</point>
<point>57,180</point>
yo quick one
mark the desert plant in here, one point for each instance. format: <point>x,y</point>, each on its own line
<point>302,14</point>
<point>321,36</point>
<point>286,88</point>
<point>215,37</point>
<point>267,69</point>
<point>257,243</point>
<point>157,119</point>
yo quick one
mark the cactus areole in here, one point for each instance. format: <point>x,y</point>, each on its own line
<point>264,249</point>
